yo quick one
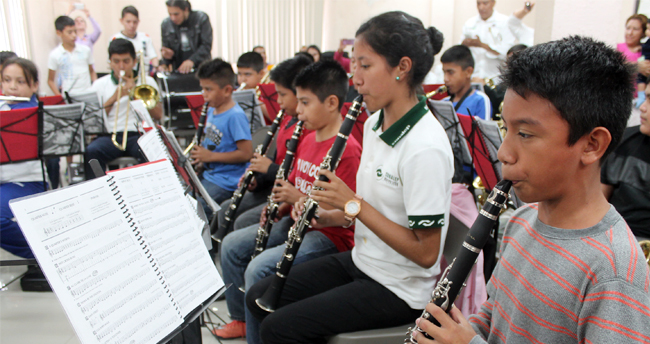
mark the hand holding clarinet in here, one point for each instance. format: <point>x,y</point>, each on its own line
<point>455,329</point>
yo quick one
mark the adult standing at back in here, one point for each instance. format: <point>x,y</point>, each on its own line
<point>489,37</point>
<point>186,37</point>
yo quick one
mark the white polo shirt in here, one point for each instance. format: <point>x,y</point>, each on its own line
<point>72,67</point>
<point>105,87</point>
<point>495,32</point>
<point>405,173</point>
<point>141,41</point>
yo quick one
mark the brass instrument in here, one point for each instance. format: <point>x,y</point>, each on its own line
<point>119,146</point>
<point>645,245</point>
<point>265,80</point>
<point>147,93</point>
<point>478,186</point>
<point>441,89</point>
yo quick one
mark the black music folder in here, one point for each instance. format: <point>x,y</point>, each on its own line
<point>123,253</point>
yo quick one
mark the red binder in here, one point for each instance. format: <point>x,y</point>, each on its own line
<point>19,138</point>
<point>478,149</point>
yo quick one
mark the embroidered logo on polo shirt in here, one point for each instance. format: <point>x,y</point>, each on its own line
<point>387,177</point>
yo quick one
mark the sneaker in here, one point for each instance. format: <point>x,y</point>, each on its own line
<point>235,329</point>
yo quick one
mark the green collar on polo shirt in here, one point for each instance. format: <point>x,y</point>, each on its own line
<point>400,128</point>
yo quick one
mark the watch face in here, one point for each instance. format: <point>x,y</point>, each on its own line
<point>352,208</point>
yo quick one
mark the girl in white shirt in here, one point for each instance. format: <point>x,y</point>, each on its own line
<point>402,206</point>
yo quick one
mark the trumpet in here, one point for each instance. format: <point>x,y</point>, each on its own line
<point>142,91</point>
<point>441,89</point>
<point>119,146</point>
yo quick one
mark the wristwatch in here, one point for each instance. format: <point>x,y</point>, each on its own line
<point>352,209</point>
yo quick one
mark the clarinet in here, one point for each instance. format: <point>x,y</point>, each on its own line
<point>454,277</point>
<point>268,302</point>
<point>239,193</point>
<point>199,131</point>
<point>264,230</point>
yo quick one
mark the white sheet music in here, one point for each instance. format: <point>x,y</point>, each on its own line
<point>173,231</point>
<point>152,146</point>
<point>95,264</point>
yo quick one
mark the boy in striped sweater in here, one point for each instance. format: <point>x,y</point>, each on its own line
<point>570,270</point>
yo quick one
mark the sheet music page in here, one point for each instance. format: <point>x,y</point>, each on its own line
<point>195,179</point>
<point>142,112</point>
<point>152,146</point>
<point>170,226</point>
<point>96,265</point>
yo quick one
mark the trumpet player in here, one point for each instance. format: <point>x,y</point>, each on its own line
<point>121,81</point>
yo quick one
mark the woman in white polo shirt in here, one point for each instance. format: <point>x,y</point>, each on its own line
<point>402,206</point>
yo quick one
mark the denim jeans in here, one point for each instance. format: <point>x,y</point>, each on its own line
<point>239,270</point>
<point>11,237</point>
<point>217,193</point>
<point>103,149</point>
<point>251,200</point>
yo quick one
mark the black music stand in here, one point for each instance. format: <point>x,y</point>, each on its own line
<point>94,120</point>
<point>63,131</point>
<point>247,100</point>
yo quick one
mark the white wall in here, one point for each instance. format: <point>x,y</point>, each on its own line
<point>552,19</point>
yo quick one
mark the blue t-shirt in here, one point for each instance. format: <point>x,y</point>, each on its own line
<point>33,102</point>
<point>222,131</point>
<point>476,104</point>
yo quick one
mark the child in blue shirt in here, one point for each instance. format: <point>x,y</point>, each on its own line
<point>458,66</point>
<point>226,147</point>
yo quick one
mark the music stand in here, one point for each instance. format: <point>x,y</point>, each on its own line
<point>94,118</point>
<point>195,103</point>
<point>52,100</point>
<point>20,141</point>
<point>63,131</point>
<point>269,97</point>
<point>247,100</point>
<point>485,163</point>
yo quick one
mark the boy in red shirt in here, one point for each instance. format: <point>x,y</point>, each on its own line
<point>320,89</point>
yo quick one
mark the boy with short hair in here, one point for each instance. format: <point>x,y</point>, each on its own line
<point>227,146</point>
<point>320,90</point>
<point>458,66</point>
<point>570,269</point>
<point>121,57</point>
<point>141,41</point>
<point>73,62</point>
<point>250,72</point>
<point>266,168</point>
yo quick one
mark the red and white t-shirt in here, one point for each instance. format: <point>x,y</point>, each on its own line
<point>306,165</point>
<point>283,136</point>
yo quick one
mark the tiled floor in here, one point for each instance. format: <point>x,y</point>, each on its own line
<point>38,317</point>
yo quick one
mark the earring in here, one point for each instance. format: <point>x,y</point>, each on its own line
<point>397,78</point>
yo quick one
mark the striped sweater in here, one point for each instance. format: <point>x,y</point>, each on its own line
<point>555,285</point>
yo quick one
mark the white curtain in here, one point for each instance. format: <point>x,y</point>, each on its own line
<point>281,26</point>
<point>13,29</point>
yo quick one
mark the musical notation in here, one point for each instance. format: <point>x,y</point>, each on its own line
<point>119,251</point>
